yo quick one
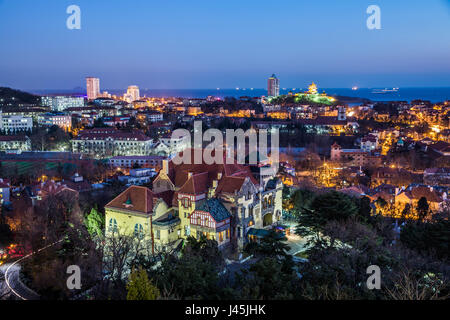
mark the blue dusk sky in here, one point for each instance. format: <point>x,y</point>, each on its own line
<point>175,44</point>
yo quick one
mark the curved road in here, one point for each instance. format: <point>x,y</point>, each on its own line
<point>11,273</point>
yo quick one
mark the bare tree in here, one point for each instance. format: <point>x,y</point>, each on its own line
<point>409,286</point>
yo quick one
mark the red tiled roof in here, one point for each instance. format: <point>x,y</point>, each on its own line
<point>230,184</point>
<point>135,198</point>
<point>421,191</point>
<point>196,184</point>
<point>14,138</point>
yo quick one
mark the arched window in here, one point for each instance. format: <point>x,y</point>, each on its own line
<point>112,225</point>
<point>138,231</point>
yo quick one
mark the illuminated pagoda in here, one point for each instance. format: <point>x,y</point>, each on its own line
<point>312,89</point>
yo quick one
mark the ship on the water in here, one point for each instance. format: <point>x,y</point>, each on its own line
<point>385,90</point>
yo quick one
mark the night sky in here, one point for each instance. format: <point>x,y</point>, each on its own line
<point>174,44</point>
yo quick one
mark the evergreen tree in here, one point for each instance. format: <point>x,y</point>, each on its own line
<point>139,287</point>
<point>422,208</point>
<point>94,223</point>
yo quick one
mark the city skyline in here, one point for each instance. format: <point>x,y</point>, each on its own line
<point>195,45</point>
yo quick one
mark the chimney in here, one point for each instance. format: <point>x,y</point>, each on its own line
<point>165,166</point>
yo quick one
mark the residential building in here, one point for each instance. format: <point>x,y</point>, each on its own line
<point>138,176</point>
<point>133,93</point>
<point>93,88</point>
<point>60,119</point>
<point>15,124</point>
<point>169,145</point>
<point>101,142</point>
<point>154,116</point>
<point>141,213</point>
<point>61,103</point>
<point>412,195</point>
<point>142,161</point>
<point>273,86</point>
<point>355,157</point>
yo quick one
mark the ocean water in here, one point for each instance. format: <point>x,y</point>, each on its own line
<point>404,94</point>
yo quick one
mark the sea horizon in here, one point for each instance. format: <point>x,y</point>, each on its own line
<point>432,94</point>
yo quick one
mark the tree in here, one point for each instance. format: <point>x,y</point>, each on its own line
<point>139,287</point>
<point>94,223</point>
<point>330,206</point>
<point>422,208</point>
<point>272,245</point>
<point>427,237</point>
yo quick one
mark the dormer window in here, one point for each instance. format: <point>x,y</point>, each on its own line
<point>128,203</point>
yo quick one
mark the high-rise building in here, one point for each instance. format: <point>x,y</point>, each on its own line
<point>93,87</point>
<point>133,92</point>
<point>273,86</point>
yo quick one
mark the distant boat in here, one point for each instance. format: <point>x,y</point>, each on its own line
<point>386,90</point>
<point>354,88</point>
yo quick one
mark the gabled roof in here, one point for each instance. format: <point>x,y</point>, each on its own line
<point>230,184</point>
<point>135,198</point>
<point>423,191</point>
<point>215,208</point>
<point>196,184</point>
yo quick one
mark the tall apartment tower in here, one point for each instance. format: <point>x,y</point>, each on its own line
<point>93,88</point>
<point>133,92</point>
<point>273,86</point>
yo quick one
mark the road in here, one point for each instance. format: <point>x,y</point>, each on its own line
<point>10,273</point>
<point>11,284</point>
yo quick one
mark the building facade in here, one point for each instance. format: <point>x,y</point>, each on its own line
<point>61,103</point>
<point>92,87</point>
<point>273,86</point>
<point>103,142</point>
<point>15,143</point>
<point>15,124</point>
<point>60,119</point>
<point>133,93</point>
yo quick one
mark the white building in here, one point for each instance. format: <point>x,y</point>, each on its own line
<point>154,116</point>
<point>15,143</point>
<point>130,161</point>
<point>138,176</point>
<point>93,87</point>
<point>59,119</point>
<point>133,93</point>
<point>15,124</point>
<point>170,145</point>
<point>61,103</point>
<point>102,142</point>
